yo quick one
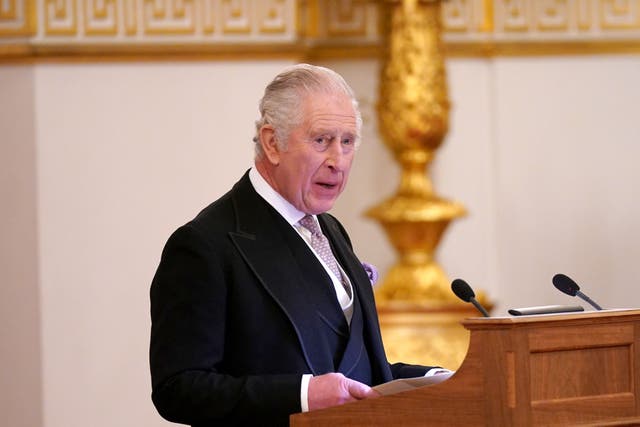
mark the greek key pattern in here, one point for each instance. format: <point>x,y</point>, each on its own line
<point>141,21</point>
<point>15,18</point>
<point>348,18</point>
<point>533,20</point>
<point>304,24</point>
<point>495,20</point>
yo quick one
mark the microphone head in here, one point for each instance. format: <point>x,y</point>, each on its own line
<point>565,284</point>
<point>462,290</point>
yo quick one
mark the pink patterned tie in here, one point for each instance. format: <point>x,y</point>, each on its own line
<point>320,244</point>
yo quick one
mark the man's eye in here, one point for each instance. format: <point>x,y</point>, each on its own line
<point>323,140</point>
<point>347,141</point>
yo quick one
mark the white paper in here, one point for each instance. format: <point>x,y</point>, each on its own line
<point>406,384</point>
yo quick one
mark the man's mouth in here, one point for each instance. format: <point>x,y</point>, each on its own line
<point>327,185</point>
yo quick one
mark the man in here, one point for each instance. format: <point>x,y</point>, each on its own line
<point>255,316</point>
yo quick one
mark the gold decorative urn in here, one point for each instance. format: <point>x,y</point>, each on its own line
<point>419,314</point>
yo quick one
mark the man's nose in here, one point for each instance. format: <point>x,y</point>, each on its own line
<point>335,155</point>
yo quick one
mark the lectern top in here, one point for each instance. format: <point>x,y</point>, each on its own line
<point>578,317</point>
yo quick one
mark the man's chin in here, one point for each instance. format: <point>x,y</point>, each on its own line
<point>321,207</point>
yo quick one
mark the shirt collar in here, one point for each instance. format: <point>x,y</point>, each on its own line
<point>279,203</point>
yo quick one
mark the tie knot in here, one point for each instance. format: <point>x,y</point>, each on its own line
<point>310,224</point>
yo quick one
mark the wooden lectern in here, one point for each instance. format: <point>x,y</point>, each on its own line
<point>560,369</point>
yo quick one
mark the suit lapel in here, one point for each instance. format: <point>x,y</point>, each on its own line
<point>273,250</point>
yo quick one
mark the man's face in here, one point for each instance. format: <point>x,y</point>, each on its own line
<point>313,170</point>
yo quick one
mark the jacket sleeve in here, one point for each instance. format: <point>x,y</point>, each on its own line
<point>188,312</point>
<point>403,370</point>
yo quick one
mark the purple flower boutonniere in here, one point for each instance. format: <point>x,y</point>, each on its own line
<point>371,271</point>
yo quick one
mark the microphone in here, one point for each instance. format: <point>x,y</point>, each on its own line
<point>568,286</point>
<point>466,294</point>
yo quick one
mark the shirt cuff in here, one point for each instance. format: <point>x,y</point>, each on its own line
<point>437,371</point>
<point>304,392</point>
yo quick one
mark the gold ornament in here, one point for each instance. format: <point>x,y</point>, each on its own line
<point>413,116</point>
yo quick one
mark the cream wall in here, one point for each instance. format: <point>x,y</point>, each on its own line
<point>20,346</point>
<point>566,161</point>
<point>107,159</point>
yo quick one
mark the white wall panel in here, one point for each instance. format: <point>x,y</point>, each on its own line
<point>566,141</point>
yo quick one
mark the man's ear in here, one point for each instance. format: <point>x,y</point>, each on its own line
<point>269,144</point>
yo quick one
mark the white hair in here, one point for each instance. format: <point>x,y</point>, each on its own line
<point>281,105</point>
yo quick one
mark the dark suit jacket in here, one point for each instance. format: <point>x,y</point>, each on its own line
<point>236,319</point>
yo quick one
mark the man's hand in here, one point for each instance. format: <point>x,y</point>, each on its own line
<point>336,389</point>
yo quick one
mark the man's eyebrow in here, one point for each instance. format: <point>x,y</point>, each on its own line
<point>331,131</point>
<point>322,131</point>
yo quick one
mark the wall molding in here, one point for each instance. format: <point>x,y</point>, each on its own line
<point>302,29</point>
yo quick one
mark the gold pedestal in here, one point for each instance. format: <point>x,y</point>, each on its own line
<point>419,314</point>
<point>425,335</point>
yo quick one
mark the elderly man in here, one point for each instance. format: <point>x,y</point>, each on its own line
<point>259,306</point>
